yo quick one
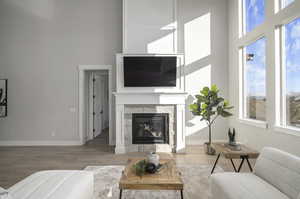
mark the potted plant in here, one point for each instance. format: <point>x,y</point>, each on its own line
<point>209,106</point>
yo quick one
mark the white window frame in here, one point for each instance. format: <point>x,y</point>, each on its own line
<point>282,6</point>
<point>278,5</point>
<point>246,38</point>
<point>243,105</point>
<point>280,101</point>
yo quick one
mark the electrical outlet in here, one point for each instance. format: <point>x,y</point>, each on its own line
<point>53,133</point>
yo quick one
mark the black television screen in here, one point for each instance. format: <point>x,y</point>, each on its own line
<point>150,71</point>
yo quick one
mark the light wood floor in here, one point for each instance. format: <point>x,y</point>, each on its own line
<point>18,162</point>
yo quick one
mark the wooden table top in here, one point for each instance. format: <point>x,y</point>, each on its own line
<point>168,178</point>
<point>224,150</point>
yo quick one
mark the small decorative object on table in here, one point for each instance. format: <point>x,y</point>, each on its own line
<point>150,168</point>
<point>150,165</point>
<point>153,158</point>
<point>140,167</point>
<point>232,142</point>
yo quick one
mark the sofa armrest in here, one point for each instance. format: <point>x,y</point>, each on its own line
<point>55,184</point>
<point>280,169</point>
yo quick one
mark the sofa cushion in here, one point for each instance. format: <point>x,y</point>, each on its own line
<point>242,186</point>
<point>280,169</point>
<point>55,185</point>
<point>4,194</point>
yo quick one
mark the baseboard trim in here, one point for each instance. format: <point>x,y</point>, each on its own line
<point>40,143</point>
<point>201,142</point>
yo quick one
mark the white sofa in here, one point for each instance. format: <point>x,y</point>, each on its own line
<point>56,184</point>
<point>276,176</point>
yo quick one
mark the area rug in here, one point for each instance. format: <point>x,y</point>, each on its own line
<point>196,183</point>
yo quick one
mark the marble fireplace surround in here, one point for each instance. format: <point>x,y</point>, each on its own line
<point>129,103</point>
<point>130,109</point>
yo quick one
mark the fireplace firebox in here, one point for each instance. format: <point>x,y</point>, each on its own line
<point>150,128</point>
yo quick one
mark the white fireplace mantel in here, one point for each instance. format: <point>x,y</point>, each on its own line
<point>150,98</point>
<point>176,99</point>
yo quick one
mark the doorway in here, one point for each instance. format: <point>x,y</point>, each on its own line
<point>98,104</point>
<point>95,103</point>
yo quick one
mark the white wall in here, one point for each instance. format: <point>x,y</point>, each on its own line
<point>250,134</point>
<point>42,43</point>
<point>202,36</point>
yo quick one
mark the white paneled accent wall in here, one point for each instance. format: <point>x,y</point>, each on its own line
<point>149,26</point>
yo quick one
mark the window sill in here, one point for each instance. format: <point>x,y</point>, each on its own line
<point>256,123</point>
<point>288,130</point>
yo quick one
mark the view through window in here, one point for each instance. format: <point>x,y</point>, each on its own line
<point>255,80</point>
<point>254,13</point>
<point>292,72</point>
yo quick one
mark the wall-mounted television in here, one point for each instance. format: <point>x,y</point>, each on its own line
<point>150,71</point>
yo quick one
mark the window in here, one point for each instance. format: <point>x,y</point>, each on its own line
<point>285,3</point>
<point>253,62</point>
<point>291,74</point>
<point>254,13</point>
<point>268,57</point>
<point>255,80</point>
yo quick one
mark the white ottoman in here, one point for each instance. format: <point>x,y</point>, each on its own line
<point>55,184</point>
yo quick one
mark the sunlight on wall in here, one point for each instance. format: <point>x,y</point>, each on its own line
<point>162,45</point>
<point>197,37</point>
<point>40,8</point>
<point>195,81</point>
<point>171,26</point>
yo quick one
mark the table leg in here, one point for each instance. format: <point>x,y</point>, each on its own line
<point>243,159</point>
<point>233,165</point>
<point>181,193</point>
<point>120,196</point>
<point>215,164</point>
<point>249,164</point>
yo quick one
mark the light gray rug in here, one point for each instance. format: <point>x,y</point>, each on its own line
<point>196,183</point>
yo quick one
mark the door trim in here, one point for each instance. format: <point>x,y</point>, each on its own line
<point>81,101</point>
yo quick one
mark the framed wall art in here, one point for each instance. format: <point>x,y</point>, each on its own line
<point>3,97</point>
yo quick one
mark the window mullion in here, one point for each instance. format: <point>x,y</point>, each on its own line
<point>283,76</point>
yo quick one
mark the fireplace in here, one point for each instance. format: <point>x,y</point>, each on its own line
<point>150,128</point>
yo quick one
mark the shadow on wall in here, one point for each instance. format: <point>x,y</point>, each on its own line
<point>153,31</point>
<point>197,48</point>
<point>200,32</point>
<point>203,39</point>
<point>162,45</point>
<point>203,33</point>
<point>196,41</point>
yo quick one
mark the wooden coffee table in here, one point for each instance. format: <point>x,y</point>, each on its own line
<point>245,153</point>
<point>168,178</point>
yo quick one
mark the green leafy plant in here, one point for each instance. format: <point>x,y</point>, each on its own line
<point>209,106</point>
<point>140,167</point>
